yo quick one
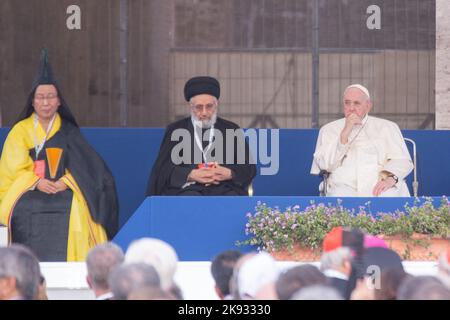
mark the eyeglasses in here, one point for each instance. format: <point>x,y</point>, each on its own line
<point>49,96</point>
<point>200,107</point>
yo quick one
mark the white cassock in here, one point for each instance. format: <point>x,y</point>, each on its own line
<point>356,167</point>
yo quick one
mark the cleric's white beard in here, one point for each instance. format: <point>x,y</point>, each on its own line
<point>204,123</point>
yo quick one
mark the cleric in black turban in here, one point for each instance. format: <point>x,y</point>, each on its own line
<point>207,174</point>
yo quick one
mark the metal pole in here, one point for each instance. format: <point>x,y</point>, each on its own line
<point>123,42</point>
<point>315,66</point>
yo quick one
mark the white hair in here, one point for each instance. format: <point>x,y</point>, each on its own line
<point>100,262</point>
<point>360,87</point>
<point>156,253</point>
<point>204,123</point>
<point>335,259</point>
<point>317,292</point>
<point>258,271</point>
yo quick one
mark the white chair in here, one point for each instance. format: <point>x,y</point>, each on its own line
<point>415,183</point>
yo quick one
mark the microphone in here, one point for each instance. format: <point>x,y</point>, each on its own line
<point>324,174</point>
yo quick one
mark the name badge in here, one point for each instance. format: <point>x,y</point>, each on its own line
<point>39,168</point>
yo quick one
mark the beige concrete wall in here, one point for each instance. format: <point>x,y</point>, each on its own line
<point>442,64</point>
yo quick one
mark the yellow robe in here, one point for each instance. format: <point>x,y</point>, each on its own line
<point>17,177</point>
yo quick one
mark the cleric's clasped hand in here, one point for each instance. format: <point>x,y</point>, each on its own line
<point>210,175</point>
<point>50,187</point>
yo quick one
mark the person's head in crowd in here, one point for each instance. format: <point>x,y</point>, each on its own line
<point>423,288</point>
<point>336,265</point>
<point>371,241</point>
<point>375,261</point>
<point>391,279</point>
<point>354,240</point>
<point>129,277</point>
<point>234,285</point>
<point>150,293</point>
<point>222,269</point>
<point>382,259</point>
<point>158,254</point>
<point>317,292</point>
<point>343,237</point>
<point>338,260</point>
<point>42,289</point>
<point>444,267</point>
<point>254,277</point>
<point>296,278</point>
<point>19,273</point>
<point>100,261</point>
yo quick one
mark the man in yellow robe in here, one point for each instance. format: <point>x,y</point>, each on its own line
<point>59,206</point>
<point>364,156</point>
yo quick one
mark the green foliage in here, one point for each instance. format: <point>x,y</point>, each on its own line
<point>272,229</point>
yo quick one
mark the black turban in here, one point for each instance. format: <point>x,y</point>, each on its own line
<point>201,85</point>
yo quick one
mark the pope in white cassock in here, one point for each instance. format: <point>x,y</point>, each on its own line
<point>364,156</point>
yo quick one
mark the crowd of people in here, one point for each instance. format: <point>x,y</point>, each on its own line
<point>353,266</point>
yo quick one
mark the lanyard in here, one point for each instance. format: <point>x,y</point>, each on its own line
<point>199,142</point>
<point>38,147</point>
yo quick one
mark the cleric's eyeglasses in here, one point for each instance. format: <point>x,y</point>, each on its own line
<point>201,107</point>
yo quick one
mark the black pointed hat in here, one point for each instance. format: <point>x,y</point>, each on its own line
<point>45,72</point>
<point>45,76</point>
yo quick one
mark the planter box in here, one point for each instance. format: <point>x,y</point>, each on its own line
<point>418,247</point>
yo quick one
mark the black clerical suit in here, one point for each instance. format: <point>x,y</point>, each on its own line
<point>168,178</point>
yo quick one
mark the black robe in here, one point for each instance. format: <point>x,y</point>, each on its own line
<point>168,178</point>
<point>41,221</point>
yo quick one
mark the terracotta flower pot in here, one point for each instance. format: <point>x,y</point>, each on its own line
<point>297,253</point>
<point>418,247</point>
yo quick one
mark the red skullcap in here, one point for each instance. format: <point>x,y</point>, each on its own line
<point>333,239</point>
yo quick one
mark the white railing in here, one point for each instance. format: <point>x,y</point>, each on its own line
<point>3,236</point>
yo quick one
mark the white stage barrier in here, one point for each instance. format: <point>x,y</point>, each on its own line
<point>3,236</point>
<point>67,281</point>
